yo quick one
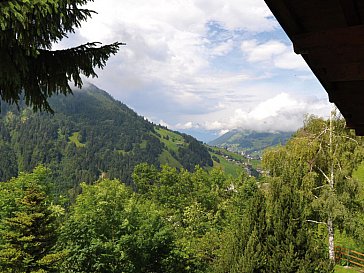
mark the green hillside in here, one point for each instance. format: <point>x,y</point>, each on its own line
<point>250,142</point>
<point>90,135</point>
<point>233,163</point>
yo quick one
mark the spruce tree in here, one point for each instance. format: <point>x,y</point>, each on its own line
<point>28,234</point>
<point>252,254</point>
<point>28,65</point>
<point>244,239</point>
<point>292,244</point>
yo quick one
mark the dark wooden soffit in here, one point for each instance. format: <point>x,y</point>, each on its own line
<point>329,34</point>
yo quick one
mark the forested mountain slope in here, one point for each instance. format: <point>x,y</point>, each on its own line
<point>90,135</point>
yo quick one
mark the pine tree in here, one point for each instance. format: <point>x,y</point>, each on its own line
<point>28,65</point>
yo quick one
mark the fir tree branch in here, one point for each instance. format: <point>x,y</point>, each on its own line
<point>49,72</point>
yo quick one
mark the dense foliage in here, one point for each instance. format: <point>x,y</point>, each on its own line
<point>176,221</point>
<point>135,215</point>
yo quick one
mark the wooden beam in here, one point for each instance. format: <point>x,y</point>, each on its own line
<point>359,130</point>
<point>350,11</point>
<point>350,102</point>
<point>336,55</point>
<point>348,91</point>
<point>339,73</point>
<point>333,38</point>
<point>285,16</point>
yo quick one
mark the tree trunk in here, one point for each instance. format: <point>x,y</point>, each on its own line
<point>330,225</point>
<point>330,228</point>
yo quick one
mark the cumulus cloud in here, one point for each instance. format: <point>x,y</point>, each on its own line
<point>163,123</point>
<point>167,40</point>
<point>274,53</point>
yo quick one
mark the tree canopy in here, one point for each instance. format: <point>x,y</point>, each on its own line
<point>29,66</point>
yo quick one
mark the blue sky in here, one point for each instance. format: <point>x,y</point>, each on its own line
<point>203,66</point>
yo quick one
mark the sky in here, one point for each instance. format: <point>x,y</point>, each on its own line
<point>203,66</point>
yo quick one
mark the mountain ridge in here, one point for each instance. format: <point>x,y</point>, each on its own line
<point>90,135</point>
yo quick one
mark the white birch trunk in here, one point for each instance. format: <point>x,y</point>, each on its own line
<point>330,225</point>
<point>330,228</point>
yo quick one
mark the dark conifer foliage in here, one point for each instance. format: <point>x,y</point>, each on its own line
<point>28,65</point>
<point>28,234</point>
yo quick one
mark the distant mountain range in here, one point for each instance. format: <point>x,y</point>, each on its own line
<point>250,142</point>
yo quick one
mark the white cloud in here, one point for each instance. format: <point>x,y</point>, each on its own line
<point>222,132</point>
<point>279,104</point>
<point>199,64</point>
<point>249,15</point>
<point>166,39</point>
<point>273,52</point>
<point>262,52</point>
<point>282,112</point>
<point>186,126</point>
<point>163,123</point>
<point>290,60</point>
<point>223,48</point>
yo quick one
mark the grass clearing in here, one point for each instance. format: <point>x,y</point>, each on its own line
<point>230,168</point>
<point>74,139</point>
<point>166,158</point>
<point>172,140</point>
<point>143,144</point>
<point>345,269</point>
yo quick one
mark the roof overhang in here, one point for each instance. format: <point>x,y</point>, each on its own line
<point>330,37</point>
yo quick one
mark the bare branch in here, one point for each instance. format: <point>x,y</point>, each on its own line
<point>327,178</point>
<point>350,139</point>
<point>316,222</point>
<point>319,187</point>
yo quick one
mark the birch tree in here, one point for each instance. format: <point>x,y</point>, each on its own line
<point>319,161</point>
